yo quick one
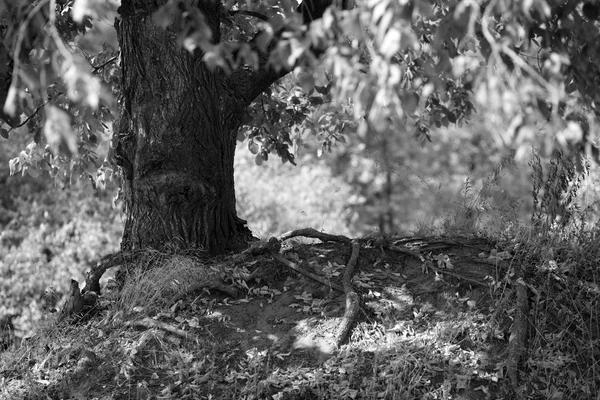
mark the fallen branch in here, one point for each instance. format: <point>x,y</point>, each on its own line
<point>151,323</point>
<point>518,331</point>
<point>352,300</point>
<point>295,267</point>
<point>314,234</point>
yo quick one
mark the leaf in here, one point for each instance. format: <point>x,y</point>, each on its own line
<point>322,90</point>
<point>451,117</point>
<point>4,133</point>
<point>14,165</point>
<point>82,10</point>
<point>306,81</point>
<point>391,43</point>
<point>544,108</point>
<point>258,159</point>
<point>297,49</point>
<point>31,171</point>
<point>241,135</point>
<point>58,131</point>
<point>315,100</point>
<point>410,101</point>
<point>253,147</point>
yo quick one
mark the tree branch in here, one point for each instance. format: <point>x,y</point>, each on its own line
<point>292,265</point>
<point>101,66</point>
<point>250,83</point>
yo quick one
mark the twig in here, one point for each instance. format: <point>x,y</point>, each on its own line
<point>295,267</point>
<point>151,323</point>
<point>99,67</point>
<point>28,118</point>
<point>313,233</point>
<point>523,65</point>
<point>352,300</point>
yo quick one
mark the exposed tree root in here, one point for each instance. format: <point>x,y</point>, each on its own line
<point>273,245</point>
<point>295,267</point>
<point>79,306</point>
<point>209,284</point>
<point>74,303</point>
<point>260,248</point>
<point>312,233</point>
<point>352,300</point>
<point>92,281</point>
<point>518,332</point>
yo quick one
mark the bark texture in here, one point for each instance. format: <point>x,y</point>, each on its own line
<point>176,138</point>
<point>176,141</point>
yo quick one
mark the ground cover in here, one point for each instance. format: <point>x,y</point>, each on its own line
<point>437,318</point>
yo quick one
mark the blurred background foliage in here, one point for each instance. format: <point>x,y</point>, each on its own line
<point>48,234</point>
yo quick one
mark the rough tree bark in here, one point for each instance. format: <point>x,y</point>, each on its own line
<point>176,138</point>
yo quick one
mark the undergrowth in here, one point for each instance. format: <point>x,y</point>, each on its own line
<point>162,336</point>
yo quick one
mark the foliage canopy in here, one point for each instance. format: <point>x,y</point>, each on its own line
<point>372,66</point>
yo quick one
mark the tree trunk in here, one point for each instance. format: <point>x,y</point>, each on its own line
<point>175,141</point>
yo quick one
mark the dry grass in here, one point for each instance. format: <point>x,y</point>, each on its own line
<point>160,279</point>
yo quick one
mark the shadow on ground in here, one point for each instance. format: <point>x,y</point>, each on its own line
<point>432,325</point>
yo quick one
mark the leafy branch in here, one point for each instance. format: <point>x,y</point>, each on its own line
<point>5,133</point>
<point>104,64</point>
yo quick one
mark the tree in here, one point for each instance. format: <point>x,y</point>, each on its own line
<point>192,76</point>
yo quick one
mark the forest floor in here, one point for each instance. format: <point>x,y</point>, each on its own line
<point>437,318</point>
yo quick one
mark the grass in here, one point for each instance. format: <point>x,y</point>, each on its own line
<point>438,316</point>
<point>433,336</point>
